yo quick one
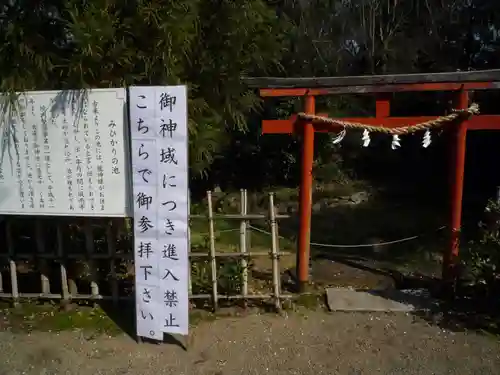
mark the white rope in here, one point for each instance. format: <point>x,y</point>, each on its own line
<point>359,245</point>
<point>219,231</point>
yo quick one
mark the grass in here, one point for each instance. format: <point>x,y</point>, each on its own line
<point>31,316</point>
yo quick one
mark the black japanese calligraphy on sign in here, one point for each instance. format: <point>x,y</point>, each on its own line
<point>169,274</point>
<point>98,157</point>
<point>147,271</point>
<point>114,143</point>
<point>167,128</point>
<point>89,158</point>
<point>167,101</point>
<point>28,164</point>
<point>145,249</point>
<point>143,97</point>
<point>141,128</point>
<point>170,321</point>
<point>143,154</point>
<point>147,315</point>
<point>145,224</point>
<point>48,160</point>
<point>20,182</point>
<point>19,174</point>
<point>37,152</point>
<point>144,200</point>
<point>168,156</point>
<point>166,182</point>
<point>68,159</point>
<point>79,156</point>
<point>171,204</point>
<point>169,227</point>
<point>79,178</point>
<point>170,298</point>
<point>170,252</point>
<point>145,172</point>
<point>146,295</point>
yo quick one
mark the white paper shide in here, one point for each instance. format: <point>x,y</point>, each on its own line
<point>158,122</point>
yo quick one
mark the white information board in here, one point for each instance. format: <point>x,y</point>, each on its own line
<point>65,153</point>
<point>159,133</point>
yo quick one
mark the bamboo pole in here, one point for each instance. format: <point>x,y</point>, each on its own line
<point>213,258</point>
<point>274,253</point>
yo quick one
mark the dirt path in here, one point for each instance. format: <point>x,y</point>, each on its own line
<point>317,343</point>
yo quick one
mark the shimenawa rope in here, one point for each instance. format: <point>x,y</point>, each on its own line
<point>440,121</point>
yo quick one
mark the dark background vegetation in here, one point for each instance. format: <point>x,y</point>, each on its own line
<point>209,45</point>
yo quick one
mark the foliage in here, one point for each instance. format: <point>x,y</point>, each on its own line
<point>482,258</point>
<point>228,277</point>
<point>55,44</point>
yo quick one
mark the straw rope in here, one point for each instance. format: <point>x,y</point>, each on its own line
<point>458,114</point>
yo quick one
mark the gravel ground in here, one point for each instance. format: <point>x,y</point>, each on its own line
<point>311,343</point>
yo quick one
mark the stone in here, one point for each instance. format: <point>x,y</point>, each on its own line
<point>348,299</point>
<point>359,197</point>
<point>316,207</point>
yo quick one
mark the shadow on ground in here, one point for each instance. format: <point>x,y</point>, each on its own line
<point>123,315</point>
<point>467,308</point>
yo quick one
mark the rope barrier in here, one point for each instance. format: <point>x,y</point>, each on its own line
<point>318,244</point>
<point>457,114</point>
<point>219,231</point>
<point>406,239</point>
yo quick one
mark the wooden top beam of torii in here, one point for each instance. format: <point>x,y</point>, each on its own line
<point>376,84</point>
<point>450,81</point>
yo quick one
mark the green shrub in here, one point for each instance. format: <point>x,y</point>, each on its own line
<point>481,259</point>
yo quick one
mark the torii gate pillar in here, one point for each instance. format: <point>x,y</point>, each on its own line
<point>457,165</point>
<point>305,197</point>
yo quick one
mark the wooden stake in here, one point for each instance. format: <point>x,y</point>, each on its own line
<point>274,253</point>
<point>243,244</point>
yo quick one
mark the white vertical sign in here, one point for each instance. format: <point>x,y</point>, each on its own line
<point>159,133</point>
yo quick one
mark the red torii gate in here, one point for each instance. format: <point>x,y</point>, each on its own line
<point>380,86</point>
